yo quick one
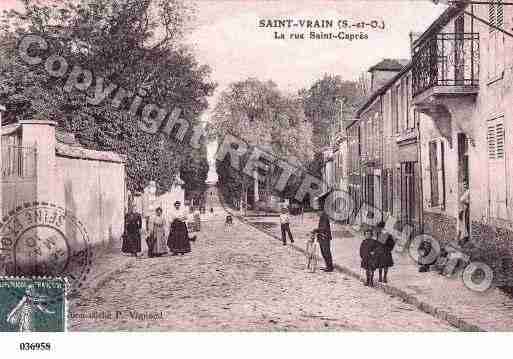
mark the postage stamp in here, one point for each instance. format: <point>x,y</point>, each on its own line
<point>42,239</point>
<point>39,304</point>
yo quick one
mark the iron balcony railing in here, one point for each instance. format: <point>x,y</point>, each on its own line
<point>446,59</point>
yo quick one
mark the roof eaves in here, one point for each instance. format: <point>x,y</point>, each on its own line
<point>382,89</point>
<point>450,13</point>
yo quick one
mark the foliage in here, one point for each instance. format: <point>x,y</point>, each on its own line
<point>323,103</point>
<point>134,44</point>
<point>194,171</point>
<point>260,115</point>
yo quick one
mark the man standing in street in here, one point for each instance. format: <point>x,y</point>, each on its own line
<point>324,235</point>
<point>285,226</point>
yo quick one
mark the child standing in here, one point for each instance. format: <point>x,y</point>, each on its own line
<point>285,226</point>
<point>368,254</point>
<point>386,244</point>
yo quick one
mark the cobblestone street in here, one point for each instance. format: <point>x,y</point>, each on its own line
<point>239,279</point>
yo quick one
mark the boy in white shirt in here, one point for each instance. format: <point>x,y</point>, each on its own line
<point>285,226</point>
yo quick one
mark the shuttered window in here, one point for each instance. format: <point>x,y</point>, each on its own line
<point>496,41</point>
<point>497,168</point>
<point>395,109</point>
<point>491,16</point>
<point>437,173</point>
<point>407,100</point>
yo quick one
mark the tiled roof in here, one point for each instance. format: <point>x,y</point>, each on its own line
<point>83,153</point>
<point>380,91</point>
<point>389,65</point>
<point>67,145</point>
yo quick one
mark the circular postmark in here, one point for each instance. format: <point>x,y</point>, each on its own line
<point>42,239</point>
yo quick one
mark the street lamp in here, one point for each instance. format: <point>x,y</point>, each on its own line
<point>472,2</point>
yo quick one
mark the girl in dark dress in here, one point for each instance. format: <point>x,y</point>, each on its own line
<point>132,234</point>
<point>368,254</point>
<point>386,244</point>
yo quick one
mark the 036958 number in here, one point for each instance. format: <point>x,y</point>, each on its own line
<point>35,346</point>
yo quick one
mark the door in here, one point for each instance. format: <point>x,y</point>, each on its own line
<point>410,195</point>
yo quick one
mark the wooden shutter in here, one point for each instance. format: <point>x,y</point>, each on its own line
<point>441,173</point>
<point>384,177</point>
<point>499,41</point>
<point>491,16</point>
<point>497,168</point>
<point>395,112</point>
<point>499,15</point>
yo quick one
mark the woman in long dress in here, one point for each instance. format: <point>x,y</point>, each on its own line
<point>178,240</point>
<point>157,229</point>
<point>132,234</point>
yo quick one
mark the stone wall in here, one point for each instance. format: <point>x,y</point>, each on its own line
<point>95,192</point>
<point>440,227</point>
<point>492,245</point>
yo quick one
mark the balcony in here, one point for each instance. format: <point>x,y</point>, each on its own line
<point>447,64</point>
<point>445,81</point>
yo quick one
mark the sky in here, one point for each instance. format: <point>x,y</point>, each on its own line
<point>226,36</point>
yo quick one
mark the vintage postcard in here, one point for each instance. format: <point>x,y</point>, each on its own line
<point>256,166</point>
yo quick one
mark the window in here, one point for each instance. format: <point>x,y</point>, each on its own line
<point>496,41</point>
<point>407,102</point>
<point>498,202</point>
<point>437,173</point>
<point>395,109</point>
<point>385,190</point>
<point>388,189</point>
<point>416,118</point>
<point>400,107</point>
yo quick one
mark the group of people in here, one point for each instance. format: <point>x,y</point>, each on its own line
<point>177,241</point>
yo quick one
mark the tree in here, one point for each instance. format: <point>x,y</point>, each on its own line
<point>194,172</point>
<point>323,103</point>
<point>134,44</point>
<point>259,114</point>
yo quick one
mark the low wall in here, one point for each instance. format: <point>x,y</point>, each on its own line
<point>489,244</point>
<point>94,191</point>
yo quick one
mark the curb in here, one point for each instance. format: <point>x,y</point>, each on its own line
<point>425,307</point>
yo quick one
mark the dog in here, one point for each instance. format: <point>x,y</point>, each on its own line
<point>229,220</point>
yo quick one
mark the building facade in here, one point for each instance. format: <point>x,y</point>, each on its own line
<point>462,82</point>
<point>383,167</point>
<point>41,163</point>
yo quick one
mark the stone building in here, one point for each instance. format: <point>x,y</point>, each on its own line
<point>462,81</point>
<point>383,166</point>
<point>41,163</point>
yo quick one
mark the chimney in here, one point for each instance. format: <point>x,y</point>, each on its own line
<point>383,71</point>
<point>413,37</point>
